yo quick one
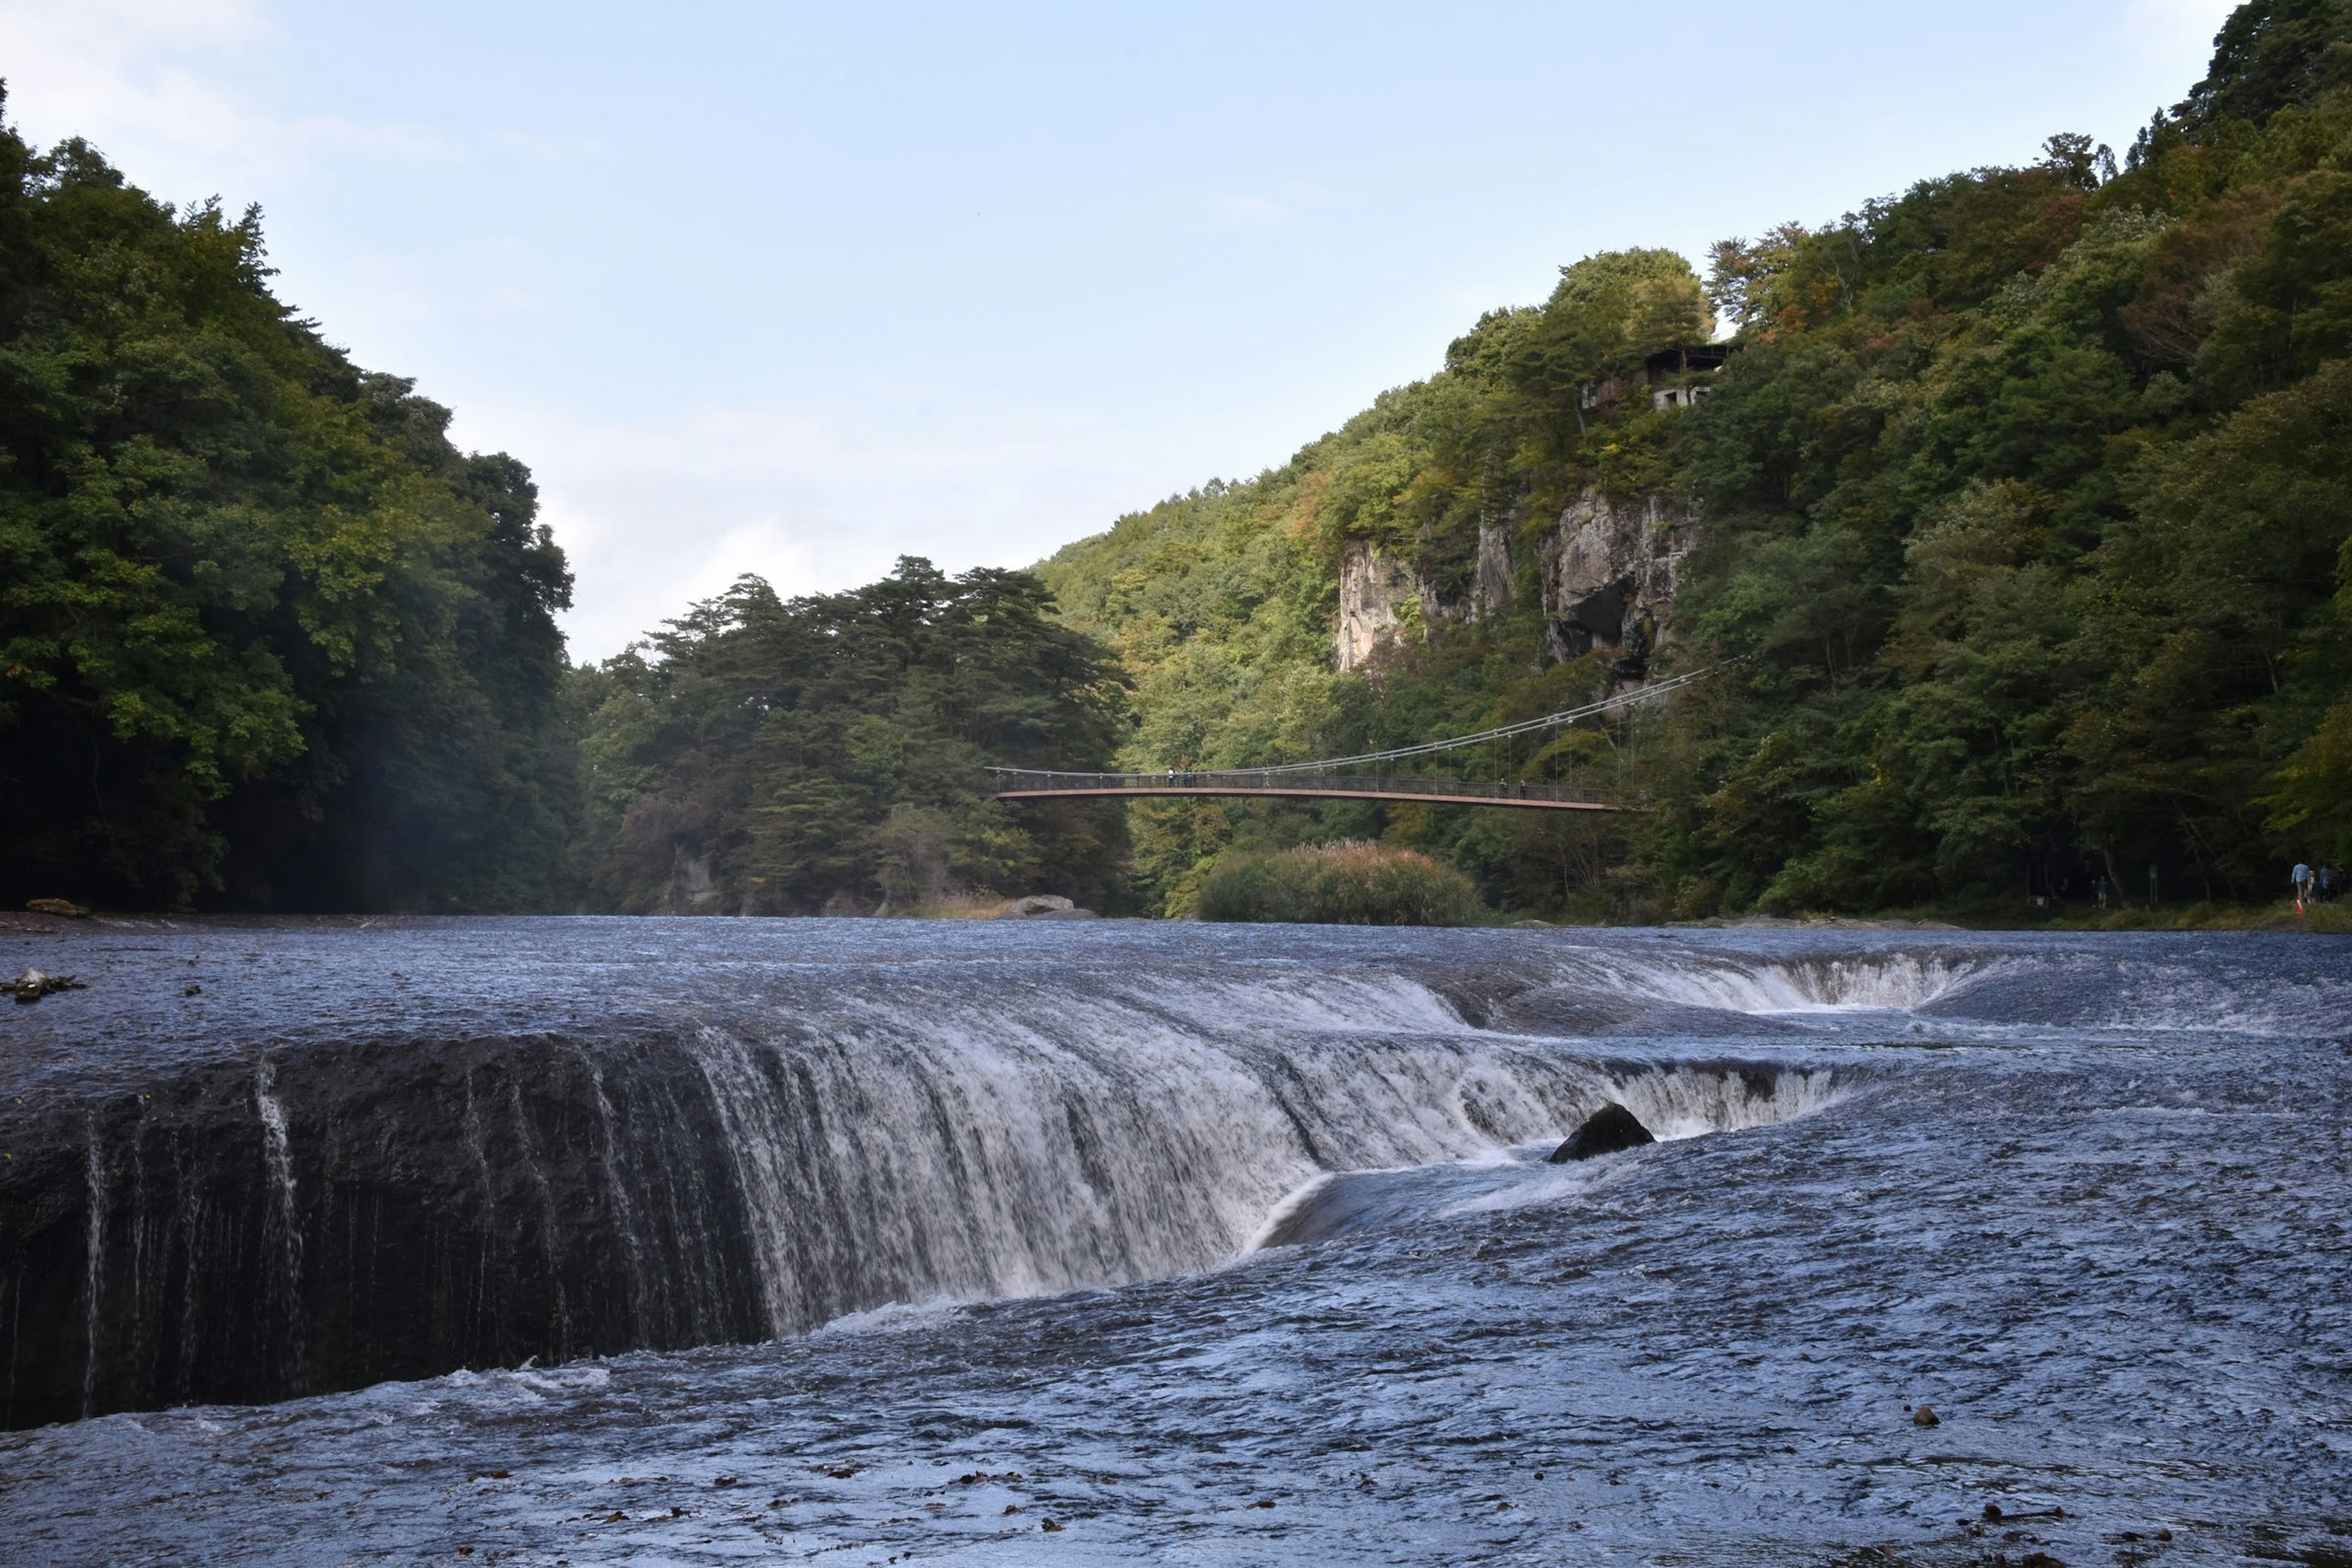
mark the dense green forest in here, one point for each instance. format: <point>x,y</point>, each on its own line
<point>824,755</point>
<point>270,641</point>
<point>2023,500</point>
<point>266,639</point>
<point>2014,511</point>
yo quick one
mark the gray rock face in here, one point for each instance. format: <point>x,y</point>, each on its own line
<point>1491,578</point>
<point>32,985</point>
<point>1611,1130</point>
<point>691,888</point>
<point>1609,570</point>
<point>1373,588</point>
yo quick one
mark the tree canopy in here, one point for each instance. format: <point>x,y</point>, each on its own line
<point>266,639</point>
<point>2024,500</point>
<point>826,754</point>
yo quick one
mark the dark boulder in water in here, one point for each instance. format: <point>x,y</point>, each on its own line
<point>1607,1130</point>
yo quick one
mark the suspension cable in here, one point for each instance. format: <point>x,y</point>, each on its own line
<point>1501,731</point>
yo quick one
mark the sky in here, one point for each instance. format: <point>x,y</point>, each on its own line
<point>795,289</point>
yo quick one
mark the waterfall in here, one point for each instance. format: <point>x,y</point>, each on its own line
<point>790,1149</point>
<point>535,1167</point>
<point>625,1218</point>
<point>94,1274</point>
<point>907,1147</point>
<point>285,1219</point>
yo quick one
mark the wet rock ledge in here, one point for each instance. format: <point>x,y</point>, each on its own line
<point>334,1216</point>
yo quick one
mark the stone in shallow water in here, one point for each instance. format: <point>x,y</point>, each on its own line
<point>32,985</point>
<point>1607,1130</point>
<point>1037,904</point>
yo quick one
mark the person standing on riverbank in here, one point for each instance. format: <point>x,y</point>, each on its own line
<point>2300,876</point>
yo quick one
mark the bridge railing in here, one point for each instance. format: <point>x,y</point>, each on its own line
<point>1020,781</point>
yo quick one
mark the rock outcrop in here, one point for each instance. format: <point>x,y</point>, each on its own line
<point>1611,1130</point>
<point>1609,570</point>
<point>1606,570</point>
<point>32,985</point>
<point>1490,584</point>
<point>692,890</point>
<point>1046,907</point>
<point>1374,587</point>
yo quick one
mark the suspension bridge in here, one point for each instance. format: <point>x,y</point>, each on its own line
<point>1326,778</point>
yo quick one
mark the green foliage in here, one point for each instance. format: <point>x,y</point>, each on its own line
<point>1221,603</point>
<point>2031,596</point>
<point>2272,55</point>
<point>2024,495</point>
<point>2286,308</point>
<point>825,754</point>
<point>1339,884</point>
<point>266,637</point>
<point>1608,313</point>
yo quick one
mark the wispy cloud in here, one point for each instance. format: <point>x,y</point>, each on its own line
<point>549,149</point>
<point>179,92</point>
<point>133,69</point>
<point>1281,204</point>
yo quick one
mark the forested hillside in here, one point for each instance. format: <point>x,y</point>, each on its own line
<point>823,755</point>
<point>266,639</point>
<point>2021,496</point>
<point>2014,509</point>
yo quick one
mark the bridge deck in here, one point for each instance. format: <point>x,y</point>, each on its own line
<point>1312,786</point>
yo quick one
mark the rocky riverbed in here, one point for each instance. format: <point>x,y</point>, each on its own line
<point>878,1241</point>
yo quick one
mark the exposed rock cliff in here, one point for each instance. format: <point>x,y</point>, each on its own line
<point>1609,570</point>
<point>692,890</point>
<point>1490,588</point>
<point>1606,572</point>
<point>1373,588</point>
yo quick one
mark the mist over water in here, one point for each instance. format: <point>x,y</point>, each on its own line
<point>1167,1224</point>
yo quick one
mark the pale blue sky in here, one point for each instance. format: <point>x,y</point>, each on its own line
<point>795,289</point>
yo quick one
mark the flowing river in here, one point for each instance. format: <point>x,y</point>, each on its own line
<point>581,1241</point>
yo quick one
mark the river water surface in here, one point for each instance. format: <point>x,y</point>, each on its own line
<point>1126,1243</point>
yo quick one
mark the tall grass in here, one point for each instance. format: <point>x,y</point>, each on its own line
<point>1340,884</point>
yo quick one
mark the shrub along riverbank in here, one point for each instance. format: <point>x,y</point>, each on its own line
<point>1340,884</point>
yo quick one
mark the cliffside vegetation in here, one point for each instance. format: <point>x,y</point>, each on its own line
<point>266,639</point>
<point>2025,496</point>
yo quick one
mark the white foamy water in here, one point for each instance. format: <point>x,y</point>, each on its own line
<point>935,1143</point>
<point>1237,1246</point>
<point>1808,984</point>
